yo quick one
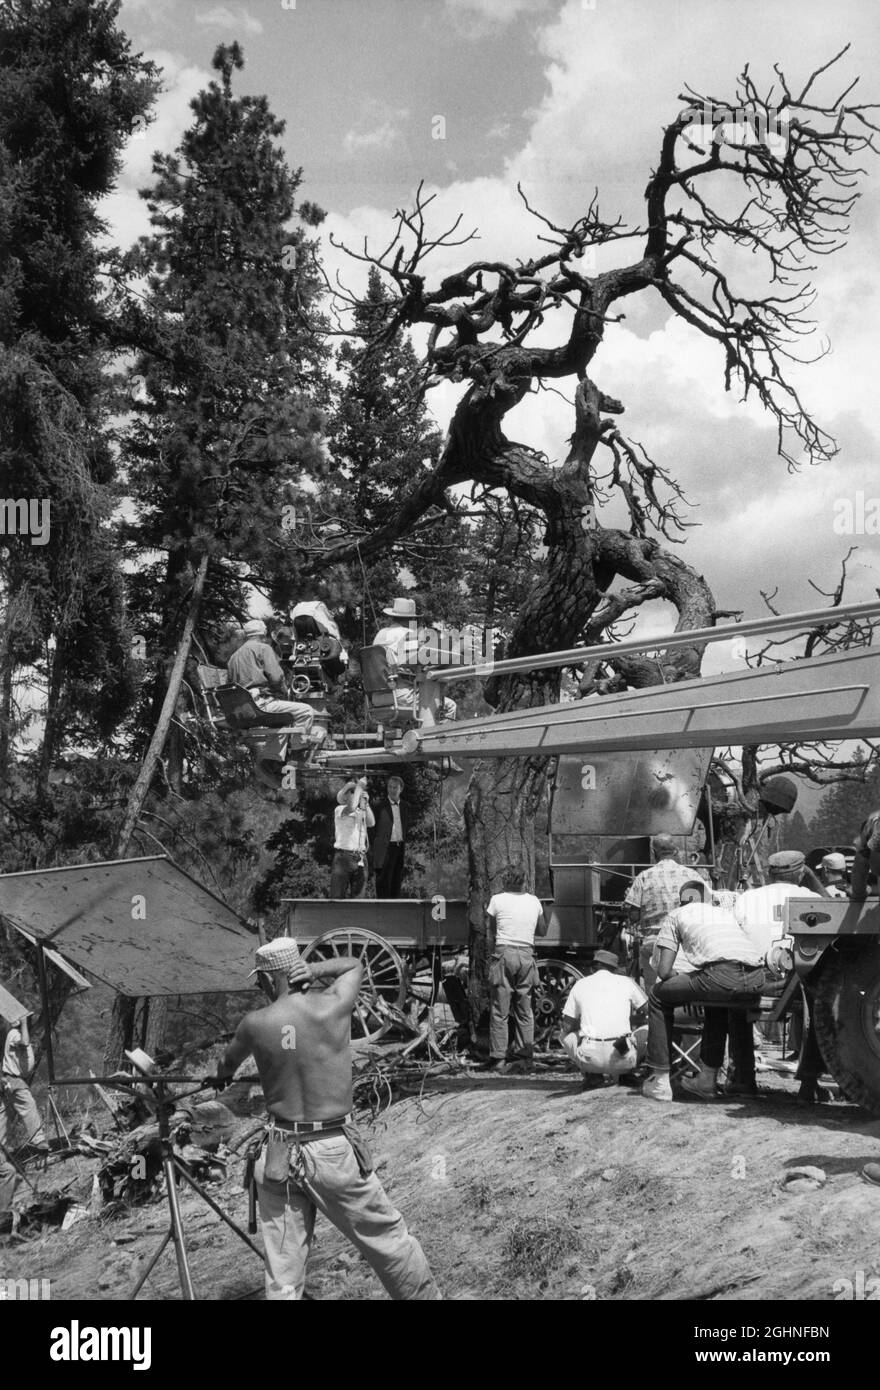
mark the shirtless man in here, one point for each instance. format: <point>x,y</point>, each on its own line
<point>313,1159</point>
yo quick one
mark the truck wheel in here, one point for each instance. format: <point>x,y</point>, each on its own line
<point>847,1018</point>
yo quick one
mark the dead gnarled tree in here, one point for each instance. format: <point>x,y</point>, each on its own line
<point>724,196</point>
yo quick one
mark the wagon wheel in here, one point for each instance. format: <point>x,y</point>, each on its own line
<point>384,977</point>
<point>556,978</point>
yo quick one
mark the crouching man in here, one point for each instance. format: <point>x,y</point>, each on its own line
<point>597,1023</point>
<point>313,1158</point>
<point>726,966</point>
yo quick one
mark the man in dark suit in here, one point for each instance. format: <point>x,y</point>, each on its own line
<point>389,840</point>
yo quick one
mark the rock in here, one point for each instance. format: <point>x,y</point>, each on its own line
<point>609,1175</point>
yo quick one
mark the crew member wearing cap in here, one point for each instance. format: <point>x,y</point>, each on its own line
<point>832,875</point>
<point>761,911</point>
<point>313,1158</point>
<point>653,894</point>
<point>256,667</point>
<point>867,856</point>
<point>727,966</point>
<point>353,818</point>
<point>597,1023</point>
<point>400,638</point>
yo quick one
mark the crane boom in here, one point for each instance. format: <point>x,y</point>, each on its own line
<point>825,698</point>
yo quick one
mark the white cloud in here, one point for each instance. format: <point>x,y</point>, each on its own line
<point>222,17</point>
<point>380,128</point>
<point>125,212</point>
<point>473,19</point>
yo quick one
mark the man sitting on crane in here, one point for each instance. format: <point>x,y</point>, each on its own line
<point>727,966</point>
<point>401,641</point>
<point>256,667</point>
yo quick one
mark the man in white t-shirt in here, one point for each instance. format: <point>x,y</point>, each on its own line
<point>729,966</point>
<point>597,1023</point>
<point>513,919</point>
<point>761,911</point>
<point>352,819</point>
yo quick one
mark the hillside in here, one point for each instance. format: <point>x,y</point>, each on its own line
<point>527,1188</point>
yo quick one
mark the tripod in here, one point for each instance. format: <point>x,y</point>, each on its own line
<point>173,1168</point>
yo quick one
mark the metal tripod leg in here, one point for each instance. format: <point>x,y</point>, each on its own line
<point>206,1197</point>
<point>174,1232</point>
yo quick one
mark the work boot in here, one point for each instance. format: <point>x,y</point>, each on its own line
<point>703,1085</point>
<point>657,1086</point>
<point>871,1173</point>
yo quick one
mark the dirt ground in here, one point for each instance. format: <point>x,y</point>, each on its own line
<point>529,1188</point>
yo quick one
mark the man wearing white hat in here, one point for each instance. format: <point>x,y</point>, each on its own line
<point>353,819</point>
<point>313,1157</point>
<point>400,639</point>
<point>257,668</point>
<point>832,873</point>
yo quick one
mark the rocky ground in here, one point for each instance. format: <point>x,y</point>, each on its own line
<point>528,1188</point>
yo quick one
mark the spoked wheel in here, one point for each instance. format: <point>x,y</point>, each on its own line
<point>556,979</point>
<point>384,977</point>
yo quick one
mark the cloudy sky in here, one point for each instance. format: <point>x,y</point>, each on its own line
<point>474,95</point>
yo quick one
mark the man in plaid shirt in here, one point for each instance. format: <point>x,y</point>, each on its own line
<point>653,894</point>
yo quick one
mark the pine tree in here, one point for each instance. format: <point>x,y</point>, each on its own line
<point>70,91</point>
<point>227,424</point>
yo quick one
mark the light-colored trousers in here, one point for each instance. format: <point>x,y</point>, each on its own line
<point>601,1058</point>
<point>302,717</point>
<point>330,1182</point>
<point>16,1101</point>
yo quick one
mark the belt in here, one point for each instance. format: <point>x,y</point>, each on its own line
<point>741,963</point>
<point>309,1126</point>
<point>587,1038</point>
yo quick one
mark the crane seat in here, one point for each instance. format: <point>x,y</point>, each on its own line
<point>382,691</point>
<point>212,676</point>
<point>241,711</point>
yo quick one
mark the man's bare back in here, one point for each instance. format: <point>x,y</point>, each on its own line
<point>301,1044</point>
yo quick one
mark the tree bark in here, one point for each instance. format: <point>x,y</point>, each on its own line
<point>160,733</point>
<point>123,1032</point>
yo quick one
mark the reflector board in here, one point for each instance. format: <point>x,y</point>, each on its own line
<point>141,925</point>
<point>653,793</point>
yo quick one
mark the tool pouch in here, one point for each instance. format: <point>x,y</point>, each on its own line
<point>276,1163</point>
<point>361,1149</point>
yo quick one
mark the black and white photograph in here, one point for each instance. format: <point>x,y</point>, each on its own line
<point>440,664</point>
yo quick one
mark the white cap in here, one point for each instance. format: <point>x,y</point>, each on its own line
<point>834,863</point>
